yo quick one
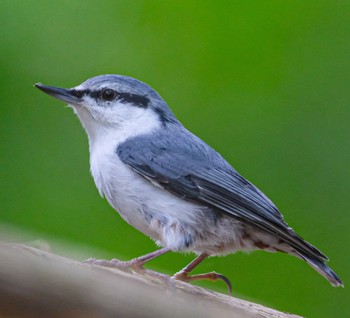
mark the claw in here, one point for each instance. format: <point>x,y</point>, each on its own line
<point>116,263</point>
<point>212,276</point>
<point>136,263</point>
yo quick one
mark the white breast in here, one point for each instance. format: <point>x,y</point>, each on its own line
<point>151,209</point>
<point>168,219</point>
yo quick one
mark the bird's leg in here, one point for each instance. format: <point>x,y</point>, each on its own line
<point>135,263</point>
<point>183,275</point>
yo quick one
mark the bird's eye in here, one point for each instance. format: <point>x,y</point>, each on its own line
<point>108,94</point>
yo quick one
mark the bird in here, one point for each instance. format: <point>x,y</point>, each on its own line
<point>172,186</point>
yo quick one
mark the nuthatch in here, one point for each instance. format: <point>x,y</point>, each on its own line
<point>172,186</point>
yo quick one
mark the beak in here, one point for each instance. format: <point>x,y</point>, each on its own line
<point>64,94</point>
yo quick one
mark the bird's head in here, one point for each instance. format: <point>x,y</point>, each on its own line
<point>114,102</point>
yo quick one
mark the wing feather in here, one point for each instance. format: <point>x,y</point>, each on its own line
<point>190,169</point>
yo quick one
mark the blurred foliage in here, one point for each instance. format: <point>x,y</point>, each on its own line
<point>266,83</point>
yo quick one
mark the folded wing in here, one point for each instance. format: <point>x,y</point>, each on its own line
<point>190,169</point>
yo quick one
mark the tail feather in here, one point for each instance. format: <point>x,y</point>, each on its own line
<point>321,267</point>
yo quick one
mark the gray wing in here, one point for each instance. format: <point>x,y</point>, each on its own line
<point>187,167</point>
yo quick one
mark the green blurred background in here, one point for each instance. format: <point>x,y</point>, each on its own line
<point>266,83</point>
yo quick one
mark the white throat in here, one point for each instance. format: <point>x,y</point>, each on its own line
<point>104,139</point>
<point>102,134</point>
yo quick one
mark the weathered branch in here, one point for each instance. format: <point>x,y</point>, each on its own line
<point>35,283</point>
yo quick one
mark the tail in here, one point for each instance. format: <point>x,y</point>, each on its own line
<point>320,266</point>
<point>311,255</point>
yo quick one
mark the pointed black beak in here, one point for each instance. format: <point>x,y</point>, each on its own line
<point>67,95</point>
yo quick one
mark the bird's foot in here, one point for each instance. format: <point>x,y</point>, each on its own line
<point>134,264</point>
<point>212,276</point>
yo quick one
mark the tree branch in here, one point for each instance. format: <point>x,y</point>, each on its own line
<point>35,283</point>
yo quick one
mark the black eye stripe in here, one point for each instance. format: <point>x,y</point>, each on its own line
<point>136,100</point>
<point>92,94</point>
<point>126,98</point>
<point>77,93</point>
